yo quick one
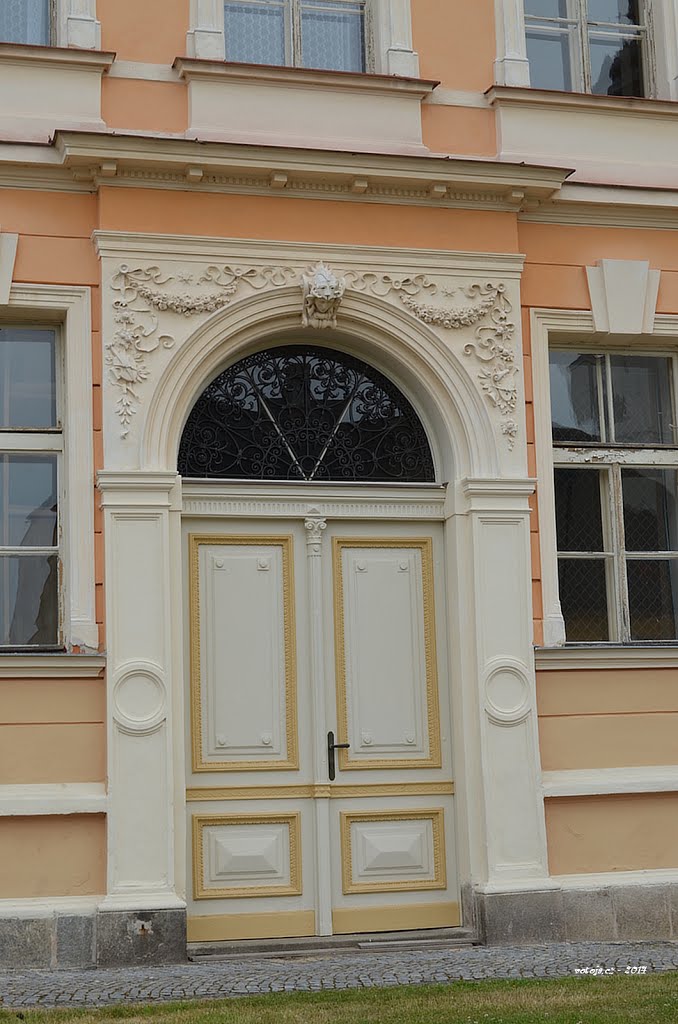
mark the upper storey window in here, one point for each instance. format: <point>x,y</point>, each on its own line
<point>26,21</point>
<point>597,46</point>
<point>325,34</point>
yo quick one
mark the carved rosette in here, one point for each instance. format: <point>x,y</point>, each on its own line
<point>145,296</point>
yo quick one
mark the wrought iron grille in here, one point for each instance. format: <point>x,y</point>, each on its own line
<point>300,413</point>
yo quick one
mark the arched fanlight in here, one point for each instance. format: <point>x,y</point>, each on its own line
<point>307,414</point>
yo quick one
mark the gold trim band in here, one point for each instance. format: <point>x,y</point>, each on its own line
<point>405,917</point>
<point>204,793</point>
<point>282,924</point>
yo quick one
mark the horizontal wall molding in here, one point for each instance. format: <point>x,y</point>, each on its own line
<point>53,798</point>
<point>606,879</point>
<point>608,781</point>
<point>51,666</point>
<point>564,658</point>
<point>405,789</point>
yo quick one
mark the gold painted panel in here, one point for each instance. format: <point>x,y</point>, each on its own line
<point>435,816</point>
<point>404,917</point>
<point>291,761</point>
<point>425,546</point>
<point>331,791</point>
<point>201,821</point>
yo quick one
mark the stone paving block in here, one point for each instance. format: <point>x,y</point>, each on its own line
<point>589,915</point>
<point>642,912</point>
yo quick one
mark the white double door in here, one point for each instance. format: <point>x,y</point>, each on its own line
<point>301,633</point>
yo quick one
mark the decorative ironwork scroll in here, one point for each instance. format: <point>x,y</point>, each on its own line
<point>304,413</point>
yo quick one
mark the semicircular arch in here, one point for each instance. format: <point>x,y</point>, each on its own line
<point>406,351</point>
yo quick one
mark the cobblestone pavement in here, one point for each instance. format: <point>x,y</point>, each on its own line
<point>319,971</point>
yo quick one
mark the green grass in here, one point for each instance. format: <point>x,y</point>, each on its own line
<point>650,999</point>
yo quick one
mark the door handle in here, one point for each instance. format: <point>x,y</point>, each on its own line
<point>331,747</point>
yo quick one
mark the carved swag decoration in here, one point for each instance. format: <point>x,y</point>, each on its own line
<point>142,293</point>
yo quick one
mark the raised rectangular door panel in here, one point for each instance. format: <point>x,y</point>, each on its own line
<point>243,666</point>
<point>237,855</point>
<point>386,661</point>
<point>393,851</point>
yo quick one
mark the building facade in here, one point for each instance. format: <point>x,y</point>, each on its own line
<point>339,367</point>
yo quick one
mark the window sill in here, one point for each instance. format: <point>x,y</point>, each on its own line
<point>51,666</point>
<point>55,56</point>
<point>606,656</point>
<point>589,133</point>
<point>344,110</point>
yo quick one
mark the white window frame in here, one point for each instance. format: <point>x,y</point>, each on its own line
<point>70,309</point>
<point>557,329</point>
<point>512,66</point>
<point>74,23</point>
<point>388,32</point>
<point>580,52</point>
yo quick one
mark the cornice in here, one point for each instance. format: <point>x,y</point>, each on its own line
<point>548,99</point>
<point>194,69</point>
<point>90,160</point>
<point>56,56</point>
<point>604,657</point>
<point>51,666</point>
<point>608,206</point>
<point>122,244</point>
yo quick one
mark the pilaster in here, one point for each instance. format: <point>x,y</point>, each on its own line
<point>511,66</point>
<point>495,534</point>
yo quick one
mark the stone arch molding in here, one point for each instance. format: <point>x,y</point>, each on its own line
<point>443,329</point>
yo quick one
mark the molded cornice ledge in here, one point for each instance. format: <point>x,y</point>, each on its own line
<point>553,99</point>
<point>56,56</point>
<point>51,666</point>
<point>139,161</point>
<point>193,69</point>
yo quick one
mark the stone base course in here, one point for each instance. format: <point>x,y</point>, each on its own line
<point>352,969</point>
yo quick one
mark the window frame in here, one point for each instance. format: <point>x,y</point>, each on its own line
<point>73,23</point>
<point>388,35</point>
<point>294,34</point>
<point>574,329</point>
<point>612,457</point>
<point>68,310</point>
<point>41,441</point>
<point>580,51</point>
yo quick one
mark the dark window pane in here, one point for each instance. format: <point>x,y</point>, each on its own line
<point>255,32</point>
<point>332,35</point>
<point>574,396</point>
<point>548,53</point>
<point>579,522</point>
<point>24,21</point>
<point>29,600</point>
<point>616,65</point>
<point>622,12</point>
<point>27,378</point>
<point>653,598</point>
<point>650,509</point>
<point>641,395</point>
<point>583,598</point>
<point>28,500</point>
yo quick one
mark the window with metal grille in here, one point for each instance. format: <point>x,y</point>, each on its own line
<point>597,46</point>
<point>27,21</point>
<point>615,444</point>
<point>31,444</point>
<point>330,35</point>
<point>305,414</point>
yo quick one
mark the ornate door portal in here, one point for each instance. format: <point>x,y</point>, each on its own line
<point>320,796</point>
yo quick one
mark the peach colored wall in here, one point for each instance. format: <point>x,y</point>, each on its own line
<point>612,833</point>
<point>52,730</point>
<point>307,220</point>
<point>53,856</point>
<point>132,105</point>
<point>608,719</point>
<point>152,31</point>
<point>455,40</point>
<point>463,130</point>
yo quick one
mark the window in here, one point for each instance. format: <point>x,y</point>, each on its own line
<point>597,46</point>
<point>301,413</point>
<point>30,450</point>
<point>26,21</point>
<point>325,34</point>
<point>615,441</point>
